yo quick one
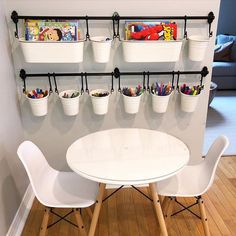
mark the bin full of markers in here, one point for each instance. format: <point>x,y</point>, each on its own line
<point>70,102</point>
<point>160,96</point>
<point>189,97</point>
<point>38,100</point>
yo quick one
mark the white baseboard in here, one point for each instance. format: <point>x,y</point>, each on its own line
<point>21,215</point>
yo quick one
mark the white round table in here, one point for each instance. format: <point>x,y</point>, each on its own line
<point>127,156</point>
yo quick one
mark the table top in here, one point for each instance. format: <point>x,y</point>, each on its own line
<point>127,156</point>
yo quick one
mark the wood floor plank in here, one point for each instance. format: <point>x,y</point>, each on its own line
<point>122,204</point>
<point>139,201</point>
<point>127,213</point>
<point>112,216</point>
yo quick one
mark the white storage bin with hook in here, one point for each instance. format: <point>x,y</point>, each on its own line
<point>189,102</point>
<point>160,103</point>
<point>71,104</point>
<point>39,106</point>
<point>131,104</point>
<point>100,104</point>
<point>151,51</point>
<point>197,47</point>
<point>101,48</point>
<point>52,52</point>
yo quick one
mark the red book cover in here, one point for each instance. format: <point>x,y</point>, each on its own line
<point>142,30</point>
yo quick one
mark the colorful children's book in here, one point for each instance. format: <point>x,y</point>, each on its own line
<point>146,30</point>
<point>36,30</point>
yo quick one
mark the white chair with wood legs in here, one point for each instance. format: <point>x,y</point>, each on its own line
<point>193,181</point>
<point>56,189</point>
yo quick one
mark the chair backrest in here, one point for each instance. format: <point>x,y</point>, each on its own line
<point>35,165</point>
<point>212,159</point>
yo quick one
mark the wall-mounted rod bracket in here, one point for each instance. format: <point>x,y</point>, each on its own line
<point>23,77</point>
<point>204,71</point>
<point>210,19</point>
<point>15,19</point>
<point>116,25</point>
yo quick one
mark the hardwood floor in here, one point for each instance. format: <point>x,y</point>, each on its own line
<point>128,213</point>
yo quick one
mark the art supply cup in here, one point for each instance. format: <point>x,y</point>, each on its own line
<point>101,48</point>
<point>197,47</point>
<point>71,104</point>
<point>131,104</point>
<point>189,102</point>
<point>100,104</point>
<point>160,103</point>
<point>39,106</point>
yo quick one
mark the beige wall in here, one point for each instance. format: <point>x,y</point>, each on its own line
<point>13,180</point>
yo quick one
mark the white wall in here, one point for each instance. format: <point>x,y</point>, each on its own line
<point>55,132</point>
<point>13,180</point>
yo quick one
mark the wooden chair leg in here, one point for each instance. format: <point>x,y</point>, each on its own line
<point>89,212</point>
<point>169,210</point>
<point>80,222</point>
<point>44,224</point>
<point>158,209</point>
<point>203,216</point>
<point>97,209</point>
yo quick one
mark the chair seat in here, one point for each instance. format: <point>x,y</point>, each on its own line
<point>66,190</point>
<point>190,182</point>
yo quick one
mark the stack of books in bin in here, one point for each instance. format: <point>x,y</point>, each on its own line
<point>154,30</point>
<point>42,30</point>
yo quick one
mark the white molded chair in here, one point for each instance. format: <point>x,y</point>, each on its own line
<point>55,188</point>
<point>195,180</point>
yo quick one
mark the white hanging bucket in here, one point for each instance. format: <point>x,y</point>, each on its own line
<point>70,105</point>
<point>100,104</point>
<point>131,104</point>
<point>39,106</point>
<point>189,102</point>
<point>101,48</point>
<point>160,103</point>
<point>197,47</point>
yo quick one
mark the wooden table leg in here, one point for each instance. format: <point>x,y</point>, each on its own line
<point>97,208</point>
<point>158,209</point>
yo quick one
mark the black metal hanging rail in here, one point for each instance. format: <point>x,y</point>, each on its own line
<point>116,19</point>
<point>23,75</point>
<point>116,73</point>
<point>204,72</point>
